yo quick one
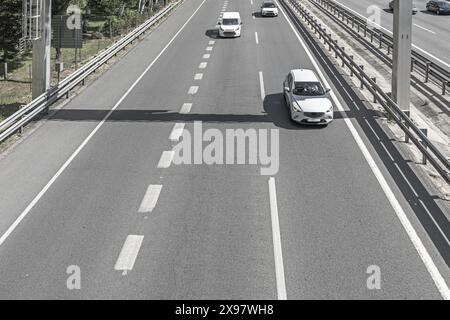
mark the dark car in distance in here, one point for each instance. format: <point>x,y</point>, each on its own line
<point>438,7</point>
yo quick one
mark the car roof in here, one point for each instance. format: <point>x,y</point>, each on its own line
<point>304,75</point>
<point>231,15</point>
<point>268,1</point>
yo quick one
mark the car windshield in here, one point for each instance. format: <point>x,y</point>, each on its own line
<point>268,5</point>
<point>444,5</point>
<point>308,89</point>
<point>230,22</point>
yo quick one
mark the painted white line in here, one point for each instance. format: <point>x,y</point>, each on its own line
<point>203,65</point>
<point>211,42</point>
<point>89,137</point>
<point>150,198</point>
<point>177,132</point>
<point>412,234</point>
<point>198,76</point>
<point>166,159</point>
<point>372,129</point>
<point>209,48</point>
<point>206,56</point>
<point>193,90</point>
<point>276,237</point>
<point>387,151</point>
<point>129,253</point>
<point>390,32</point>
<point>256,37</point>
<point>186,108</point>
<point>423,28</point>
<point>261,86</point>
<point>251,2</point>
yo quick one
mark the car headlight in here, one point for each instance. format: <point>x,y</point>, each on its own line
<point>297,107</point>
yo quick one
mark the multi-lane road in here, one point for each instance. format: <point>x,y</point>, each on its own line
<point>431,33</point>
<point>93,188</point>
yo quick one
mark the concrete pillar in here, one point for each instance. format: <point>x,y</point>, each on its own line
<point>42,52</point>
<point>401,68</point>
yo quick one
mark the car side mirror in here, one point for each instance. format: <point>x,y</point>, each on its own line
<point>287,89</point>
<point>327,90</point>
<point>219,23</point>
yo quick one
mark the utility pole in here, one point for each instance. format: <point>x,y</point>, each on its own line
<point>401,67</point>
<point>42,51</point>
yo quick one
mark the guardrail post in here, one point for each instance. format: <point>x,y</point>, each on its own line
<point>351,69</point>
<point>408,114</point>
<point>21,128</point>
<point>412,65</point>
<point>424,158</point>
<point>335,49</point>
<point>427,71</point>
<point>343,61</point>
<point>380,36</point>
<point>362,76</point>
<point>365,31</point>
<point>371,37</point>
<point>373,87</point>
<point>5,70</point>
<point>389,49</point>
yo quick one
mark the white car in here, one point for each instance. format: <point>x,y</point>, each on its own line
<point>268,8</point>
<point>307,99</point>
<point>230,25</point>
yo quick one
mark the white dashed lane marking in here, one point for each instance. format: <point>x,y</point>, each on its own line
<point>166,159</point>
<point>186,108</point>
<point>150,198</point>
<point>129,253</point>
<point>177,132</point>
<point>193,90</point>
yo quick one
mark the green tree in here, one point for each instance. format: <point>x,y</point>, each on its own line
<point>10,27</point>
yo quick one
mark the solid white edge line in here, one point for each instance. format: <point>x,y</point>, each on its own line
<point>150,198</point>
<point>389,31</point>
<point>276,237</point>
<point>256,38</point>
<point>166,159</point>
<point>89,137</point>
<point>261,86</point>
<point>177,132</point>
<point>412,234</point>
<point>128,254</point>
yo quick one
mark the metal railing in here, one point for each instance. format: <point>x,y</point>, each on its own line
<point>382,40</point>
<point>27,113</point>
<point>430,152</point>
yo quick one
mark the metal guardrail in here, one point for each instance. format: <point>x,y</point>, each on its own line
<point>429,68</point>
<point>27,113</point>
<point>412,132</point>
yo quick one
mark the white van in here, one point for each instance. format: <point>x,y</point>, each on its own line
<point>230,25</point>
